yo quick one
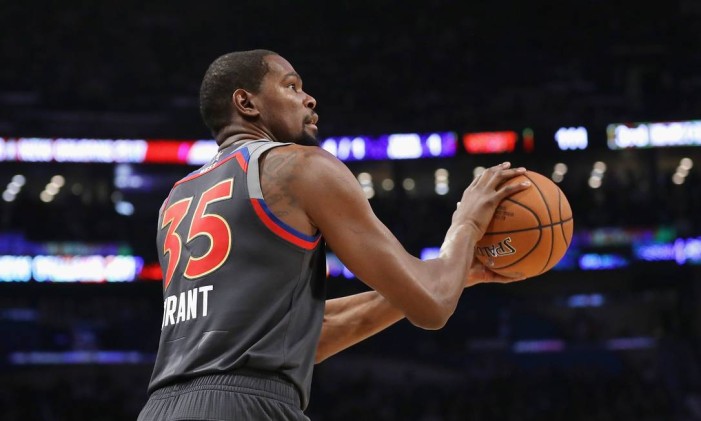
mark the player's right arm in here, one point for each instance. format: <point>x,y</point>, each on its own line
<point>427,292</point>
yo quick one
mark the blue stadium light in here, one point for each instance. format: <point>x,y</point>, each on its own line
<point>681,251</point>
<point>597,261</point>
<point>392,146</point>
<point>585,300</point>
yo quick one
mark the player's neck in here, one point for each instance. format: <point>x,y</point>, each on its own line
<point>239,139</point>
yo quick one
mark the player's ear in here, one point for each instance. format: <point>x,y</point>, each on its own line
<point>243,104</point>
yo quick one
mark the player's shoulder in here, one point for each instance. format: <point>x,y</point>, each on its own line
<point>302,151</point>
<point>301,158</point>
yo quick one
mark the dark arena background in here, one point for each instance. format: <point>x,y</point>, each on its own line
<point>99,117</point>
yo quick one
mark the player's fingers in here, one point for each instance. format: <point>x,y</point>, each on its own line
<point>506,174</point>
<point>487,176</point>
<point>509,189</point>
<point>498,174</point>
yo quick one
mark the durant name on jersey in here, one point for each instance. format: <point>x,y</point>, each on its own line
<point>187,305</point>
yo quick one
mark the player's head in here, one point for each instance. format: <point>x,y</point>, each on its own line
<point>259,90</point>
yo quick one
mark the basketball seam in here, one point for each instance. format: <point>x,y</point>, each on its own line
<point>529,228</point>
<point>562,227</point>
<point>552,230</point>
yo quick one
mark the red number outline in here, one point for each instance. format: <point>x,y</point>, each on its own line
<point>172,217</point>
<point>212,226</point>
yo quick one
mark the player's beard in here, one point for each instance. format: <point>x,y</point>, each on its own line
<point>307,139</point>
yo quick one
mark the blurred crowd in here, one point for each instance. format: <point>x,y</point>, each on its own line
<point>107,394</point>
<point>470,370</point>
<point>488,66</point>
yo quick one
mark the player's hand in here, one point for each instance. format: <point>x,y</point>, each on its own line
<point>480,274</point>
<point>483,195</point>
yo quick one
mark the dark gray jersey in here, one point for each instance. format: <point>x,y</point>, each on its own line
<point>241,288</point>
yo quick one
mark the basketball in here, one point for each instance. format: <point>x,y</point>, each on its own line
<point>530,231</point>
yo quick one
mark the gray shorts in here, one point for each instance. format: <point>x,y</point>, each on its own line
<point>225,397</point>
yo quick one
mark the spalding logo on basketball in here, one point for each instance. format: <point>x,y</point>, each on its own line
<point>530,231</point>
<point>502,248</point>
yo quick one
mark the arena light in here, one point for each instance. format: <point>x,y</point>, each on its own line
<point>80,357</point>
<point>58,180</point>
<point>597,174</point>
<point>335,268</point>
<point>654,135</point>
<point>19,179</point>
<point>46,197</point>
<point>52,189</point>
<point>538,346</point>
<point>430,253</point>
<point>681,251</point>
<point>198,152</point>
<point>387,184</point>
<point>441,181</point>
<point>365,180</point>
<point>124,208</point>
<point>13,188</point>
<point>392,146</point>
<point>572,138</point>
<point>678,178</point>
<point>12,243</point>
<point>8,196</point>
<point>599,167</point>
<point>48,268</point>
<point>685,165</point>
<point>15,268</point>
<point>561,168</point>
<point>602,261</point>
<point>86,150</point>
<point>441,188</point>
<point>490,142</point>
<point>619,344</point>
<point>585,300</point>
<point>559,171</point>
<point>528,140</point>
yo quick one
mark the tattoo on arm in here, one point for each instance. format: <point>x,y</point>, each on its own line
<point>278,171</point>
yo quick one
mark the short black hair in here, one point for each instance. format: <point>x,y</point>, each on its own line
<point>240,69</point>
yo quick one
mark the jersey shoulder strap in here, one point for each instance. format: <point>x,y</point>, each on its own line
<point>254,189</point>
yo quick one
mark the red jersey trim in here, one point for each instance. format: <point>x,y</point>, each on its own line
<point>242,156</point>
<point>282,230</point>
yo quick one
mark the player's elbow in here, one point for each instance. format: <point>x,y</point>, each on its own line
<point>429,323</point>
<point>432,316</point>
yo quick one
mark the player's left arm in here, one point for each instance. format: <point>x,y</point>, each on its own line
<point>352,319</point>
<point>349,320</point>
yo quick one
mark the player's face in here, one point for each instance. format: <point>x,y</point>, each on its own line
<point>286,110</point>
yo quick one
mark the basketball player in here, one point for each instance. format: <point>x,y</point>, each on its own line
<point>241,245</point>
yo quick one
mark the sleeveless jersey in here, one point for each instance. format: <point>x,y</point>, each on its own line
<point>242,290</point>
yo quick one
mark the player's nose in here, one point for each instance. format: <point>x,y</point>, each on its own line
<point>310,102</point>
